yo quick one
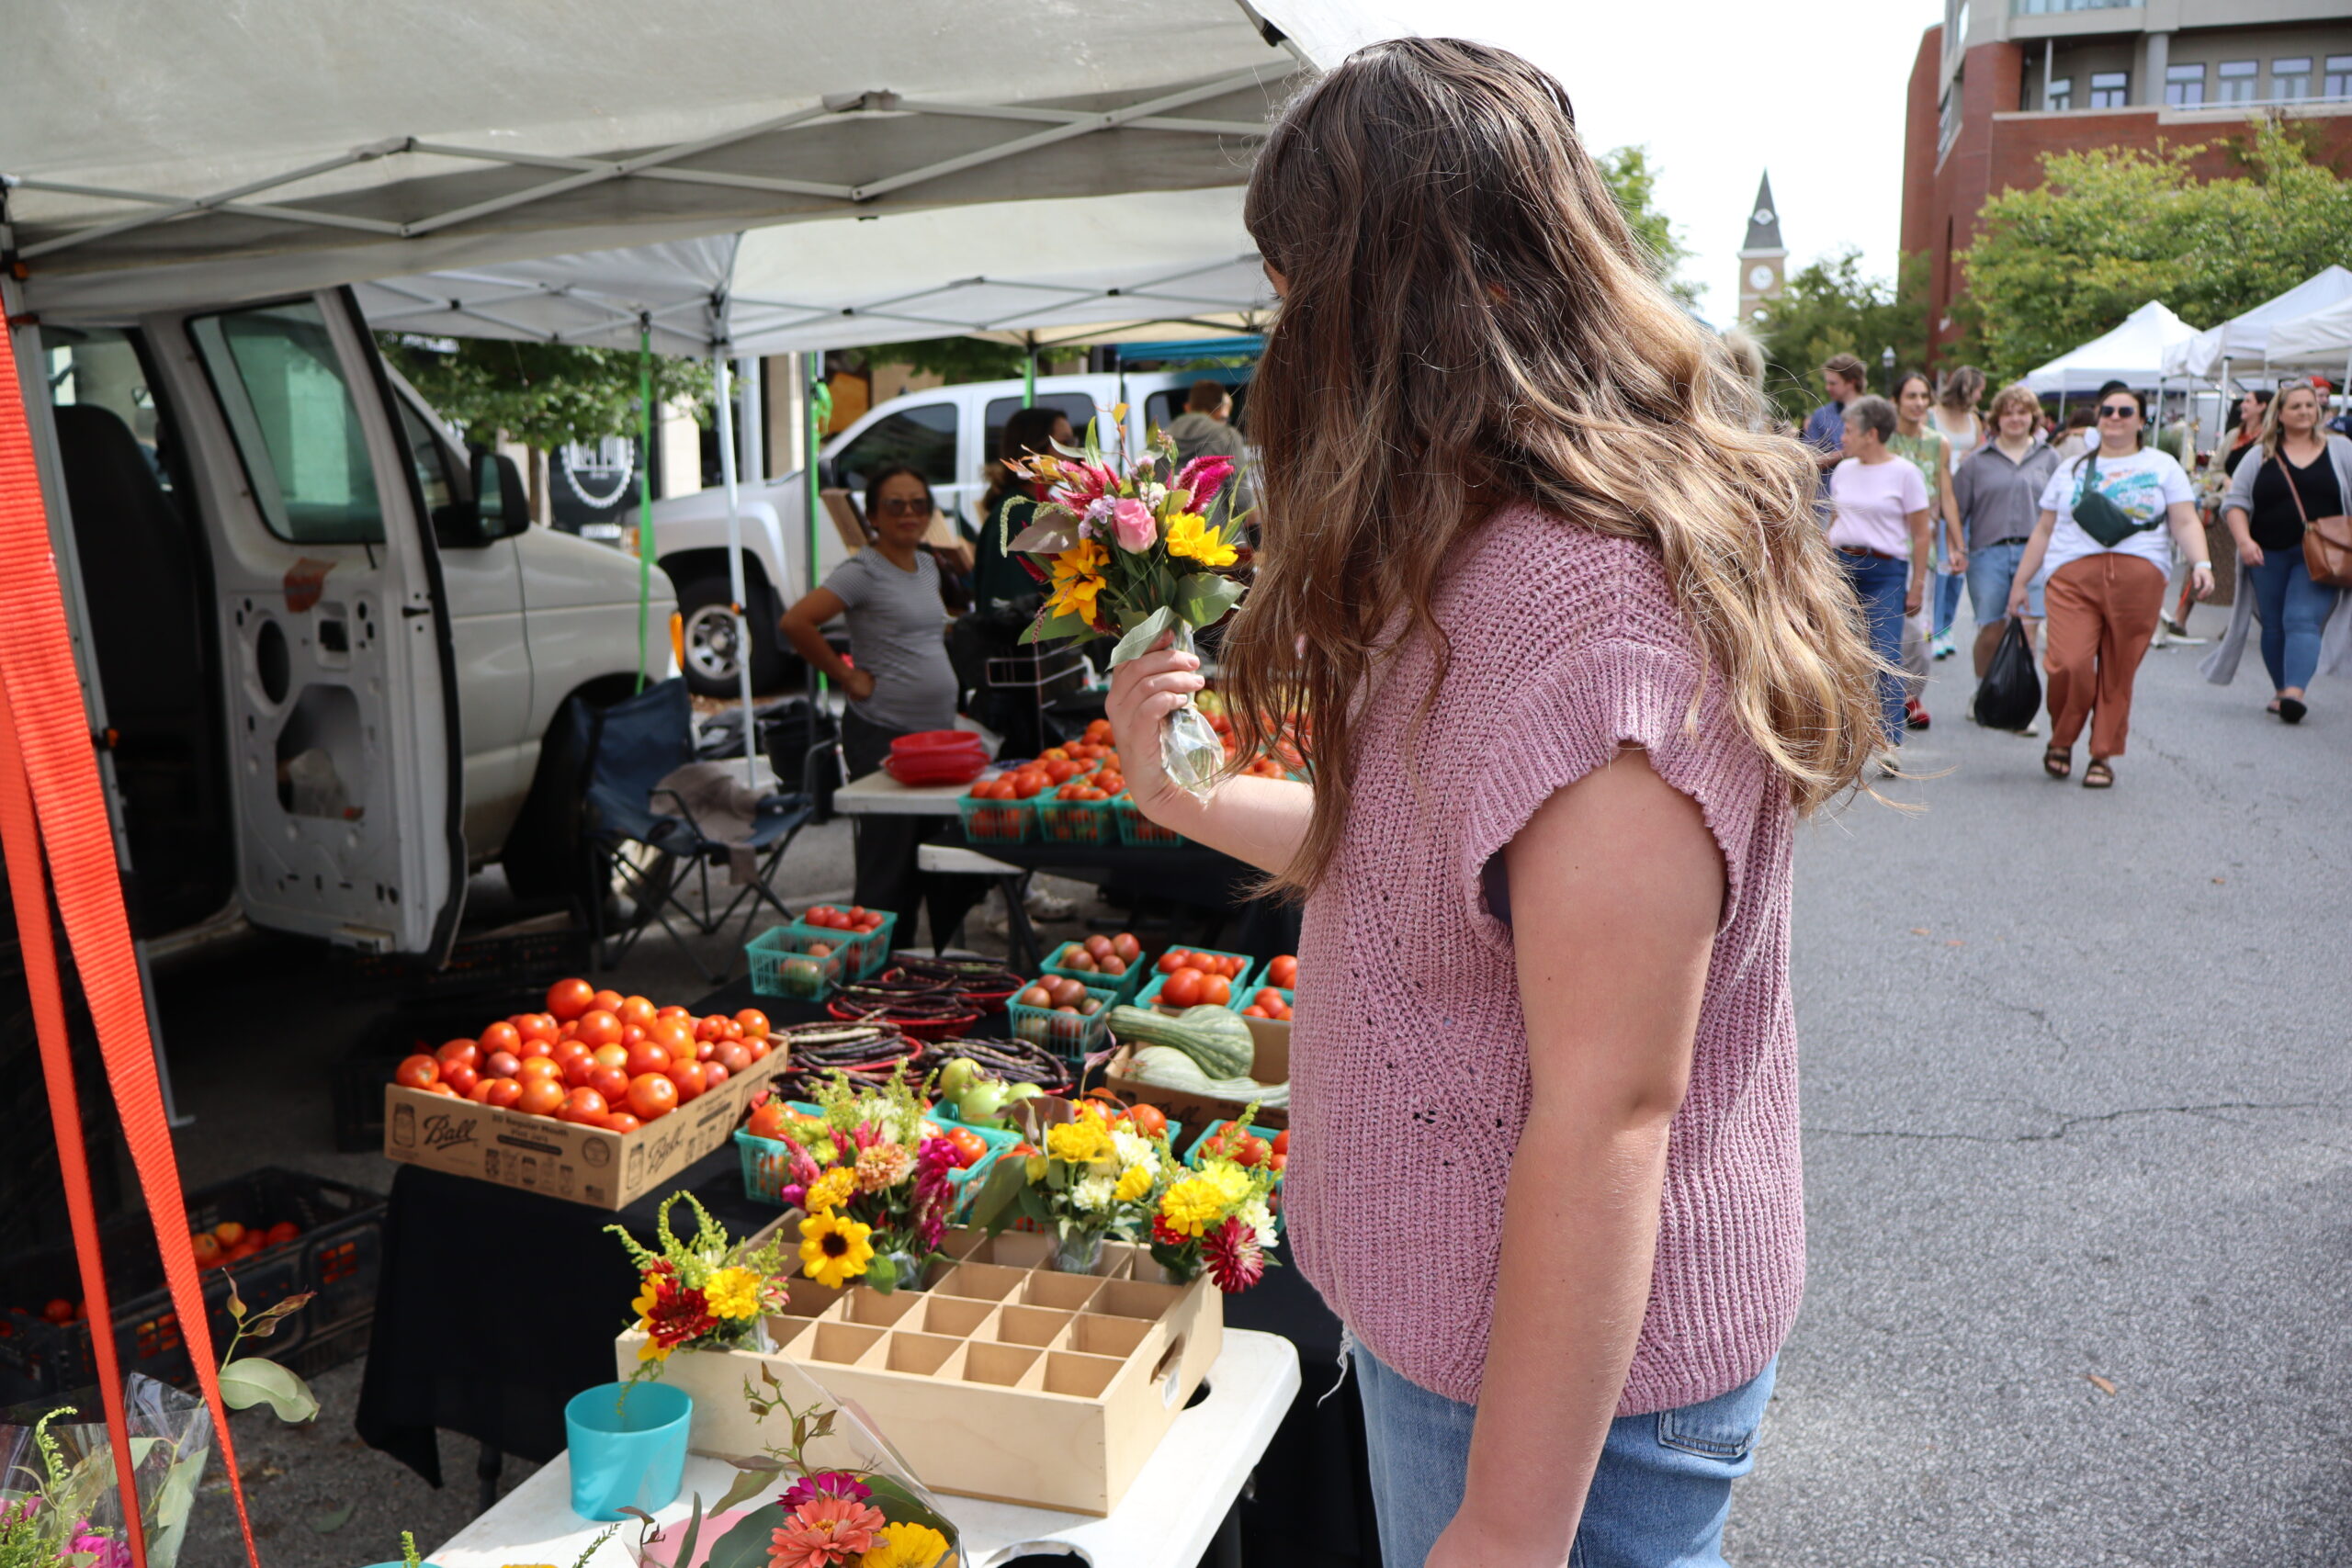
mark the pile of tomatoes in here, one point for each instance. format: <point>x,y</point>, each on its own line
<point>777,1121</point>
<point>1282,974</point>
<point>1229,1141</point>
<point>857,919</point>
<point>1099,955</point>
<point>229,1242</point>
<point>1081,769</point>
<point>595,1058</point>
<point>1058,993</point>
<point>1191,979</point>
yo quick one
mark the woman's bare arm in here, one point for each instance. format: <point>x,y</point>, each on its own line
<point>1257,821</point>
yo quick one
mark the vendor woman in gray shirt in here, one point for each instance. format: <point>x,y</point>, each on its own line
<point>899,683</point>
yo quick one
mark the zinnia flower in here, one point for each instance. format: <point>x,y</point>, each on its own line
<point>1191,1206</point>
<point>831,1190</point>
<point>1081,1142</point>
<point>824,1531</point>
<point>669,1312</point>
<point>1189,535</point>
<point>1133,1184</point>
<point>1235,1260</point>
<point>834,1251</point>
<point>908,1546</point>
<point>1136,529</point>
<point>883,1165</point>
<point>102,1551</point>
<point>826,1483</point>
<point>732,1293</point>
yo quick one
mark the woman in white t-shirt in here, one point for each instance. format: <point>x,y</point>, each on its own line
<point>2101,549</point>
<point>1878,527</point>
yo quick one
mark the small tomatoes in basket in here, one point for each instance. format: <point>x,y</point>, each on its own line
<point>1150,1122</point>
<point>1282,972</point>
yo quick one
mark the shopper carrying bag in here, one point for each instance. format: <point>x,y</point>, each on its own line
<point>2010,693</point>
<point>2284,512</point>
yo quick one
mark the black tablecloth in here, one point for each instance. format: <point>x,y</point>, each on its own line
<point>496,1305</point>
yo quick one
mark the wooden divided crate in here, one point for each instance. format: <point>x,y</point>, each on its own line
<point>1003,1379</point>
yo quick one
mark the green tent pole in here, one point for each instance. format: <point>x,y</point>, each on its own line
<point>1029,376</point>
<point>644,487</point>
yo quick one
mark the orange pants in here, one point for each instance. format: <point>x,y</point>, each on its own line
<point>2103,611</point>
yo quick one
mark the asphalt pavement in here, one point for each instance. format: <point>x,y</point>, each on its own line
<point>2078,1151</point>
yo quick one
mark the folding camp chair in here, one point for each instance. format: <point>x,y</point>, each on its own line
<point>632,746</point>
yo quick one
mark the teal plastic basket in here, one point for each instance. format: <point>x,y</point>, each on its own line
<point>869,953</point>
<point>1068,1035</point>
<point>997,822</point>
<point>1242,998</point>
<point>1139,832</point>
<point>1076,821</point>
<point>782,964</point>
<point>1151,992</point>
<point>1124,987</point>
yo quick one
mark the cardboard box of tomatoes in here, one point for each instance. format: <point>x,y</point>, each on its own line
<point>582,1148</point>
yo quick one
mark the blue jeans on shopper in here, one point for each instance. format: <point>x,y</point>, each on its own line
<point>2294,610</point>
<point>1659,1498</point>
<point>1880,584</point>
<point>1991,572</point>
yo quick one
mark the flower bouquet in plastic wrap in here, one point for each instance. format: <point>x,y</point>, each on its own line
<point>702,1291</point>
<point>840,1497</point>
<point>1125,549</point>
<point>58,1500</point>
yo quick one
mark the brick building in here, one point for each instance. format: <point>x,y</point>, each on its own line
<point>2003,82</point>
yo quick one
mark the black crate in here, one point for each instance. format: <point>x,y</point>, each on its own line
<point>338,1257</point>
<point>357,1081</point>
<point>537,953</point>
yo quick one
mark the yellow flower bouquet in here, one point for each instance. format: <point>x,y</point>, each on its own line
<point>704,1292</point>
<point>1126,548</point>
<point>1095,1179</point>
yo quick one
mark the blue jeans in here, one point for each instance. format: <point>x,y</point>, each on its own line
<point>2293,609</point>
<point>1880,584</point>
<point>1946,600</point>
<point>1659,1498</point>
<point>1991,570</point>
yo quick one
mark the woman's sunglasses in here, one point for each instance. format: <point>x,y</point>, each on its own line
<point>2119,411</point>
<point>903,506</point>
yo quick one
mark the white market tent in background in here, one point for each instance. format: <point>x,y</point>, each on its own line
<point>2246,338</point>
<point>2322,338</point>
<point>2133,352</point>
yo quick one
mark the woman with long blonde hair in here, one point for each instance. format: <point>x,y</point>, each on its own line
<point>1549,614</point>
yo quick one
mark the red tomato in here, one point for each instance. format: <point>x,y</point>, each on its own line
<point>703,1049</point>
<point>970,1147</point>
<point>610,1082</point>
<point>1282,1142</point>
<point>1254,1011</point>
<point>768,1121</point>
<point>609,1002</point>
<point>609,1056</point>
<point>599,1027</point>
<point>584,1107</point>
<point>1283,971</point>
<point>501,1037</point>
<point>631,1033</point>
<point>675,1035</point>
<point>713,1074</point>
<point>417,1072</point>
<point>1149,1119</point>
<point>1027,781</point>
<point>501,1064</point>
<point>460,1078</point>
<point>479,1093</point>
<point>1183,988</point>
<point>464,1051</point>
<point>501,1091</point>
<point>1062,770</point>
<point>647,1057</point>
<point>540,1096</point>
<point>1110,782</point>
<point>651,1096</point>
<point>204,1244</point>
<point>713,1028</point>
<point>755,1023</point>
<point>567,999</point>
<point>688,1076</point>
<point>621,1122</point>
<point>638,1011</point>
<point>536,1026</point>
<point>1217,991</point>
<point>731,1055</point>
<point>539,1068</point>
<point>1175,958</point>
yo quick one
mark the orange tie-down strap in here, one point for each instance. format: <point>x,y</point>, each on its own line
<point>50,801</point>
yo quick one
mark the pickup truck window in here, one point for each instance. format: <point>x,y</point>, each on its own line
<point>1078,406</point>
<point>922,436</point>
<point>297,425</point>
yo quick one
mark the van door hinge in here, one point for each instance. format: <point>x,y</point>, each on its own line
<point>416,609</point>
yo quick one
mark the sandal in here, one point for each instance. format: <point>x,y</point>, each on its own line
<point>2058,761</point>
<point>2098,775</point>
<point>2291,710</point>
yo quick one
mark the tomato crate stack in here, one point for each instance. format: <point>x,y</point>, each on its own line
<point>1077,821</point>
<point>335,1252</point>
<point>988,821</point>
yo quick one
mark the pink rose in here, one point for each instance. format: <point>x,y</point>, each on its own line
<point>1136,529</point>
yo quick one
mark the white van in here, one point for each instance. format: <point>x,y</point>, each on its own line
<point>321,644</point>
<point>949,433</point>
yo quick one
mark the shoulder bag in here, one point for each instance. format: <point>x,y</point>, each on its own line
<point>2102,518</point>
<point>2328,541</point>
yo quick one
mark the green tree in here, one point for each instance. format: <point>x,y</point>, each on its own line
<point>2112,229</point>
<point>957,359</point>
<point>1829,307</point>
<point>539,394</point>
<point>1633,179</point>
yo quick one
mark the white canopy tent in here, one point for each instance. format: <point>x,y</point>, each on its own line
<point>2133,352</point>
<point>2322,338</point>
<point>2248,337</point>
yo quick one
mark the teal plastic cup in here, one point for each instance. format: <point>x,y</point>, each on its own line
<point>629,1447</point>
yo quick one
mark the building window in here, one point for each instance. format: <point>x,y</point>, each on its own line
<point>2110,89</point>
<point>2237,80</point>
<point>2184,85</point>
<point>2059,94</point>
<point>1947,118</point>
<point>2290,79</point>
<point>2338,83</point>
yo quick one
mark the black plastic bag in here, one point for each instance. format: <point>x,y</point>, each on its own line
<point>2010,693</point>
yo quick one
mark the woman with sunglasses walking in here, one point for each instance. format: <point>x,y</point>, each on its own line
<point>2101,551</point>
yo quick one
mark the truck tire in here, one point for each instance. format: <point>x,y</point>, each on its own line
<point>710,639</point>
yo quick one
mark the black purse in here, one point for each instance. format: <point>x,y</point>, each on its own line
<point>2102,518</point>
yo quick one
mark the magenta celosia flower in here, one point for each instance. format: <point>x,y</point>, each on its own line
<point>1204,477</point>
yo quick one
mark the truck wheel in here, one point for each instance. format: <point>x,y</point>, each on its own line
<point>710,639</point>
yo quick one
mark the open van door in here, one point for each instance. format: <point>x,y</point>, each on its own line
<point>339,677</point>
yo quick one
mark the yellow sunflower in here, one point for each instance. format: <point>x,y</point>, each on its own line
<point>834,1251</point>
<point>1189,535</point>
<point>1078,578</point>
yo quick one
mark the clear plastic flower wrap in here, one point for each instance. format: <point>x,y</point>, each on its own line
<point>829,1491</point>
<point>57,1474</point>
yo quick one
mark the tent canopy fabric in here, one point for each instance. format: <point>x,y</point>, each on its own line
<point>2133,352</point>
<point>2322,338</point>
<point>301,143</point>
<point>2248,337</point>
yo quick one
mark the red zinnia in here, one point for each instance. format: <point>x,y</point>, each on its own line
<point>1236,1261</point>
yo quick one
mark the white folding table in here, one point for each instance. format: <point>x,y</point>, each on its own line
<point>1168,1518</point>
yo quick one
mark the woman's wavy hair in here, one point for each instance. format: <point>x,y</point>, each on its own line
<point>2274,416</point>
<point>1467,321</point>
<point>1963,389</point>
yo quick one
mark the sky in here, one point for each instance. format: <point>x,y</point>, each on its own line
<point>1720,91</point>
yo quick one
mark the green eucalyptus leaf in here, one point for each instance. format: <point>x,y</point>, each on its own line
<point>1000,1188</point>
<point>881,1275</point>
<point>254,1380</point>
<point>1049,538</point>
<point>749,1483</point>
<point>1203,598</point>
<point>750,1542</point>
<point>1142,634</point>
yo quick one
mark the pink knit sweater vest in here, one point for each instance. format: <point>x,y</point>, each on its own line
<point>1408,1062</point>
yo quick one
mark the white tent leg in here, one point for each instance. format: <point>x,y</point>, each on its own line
<point>724,414</point>
<point>755,422</point>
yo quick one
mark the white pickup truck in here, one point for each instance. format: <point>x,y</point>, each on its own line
<point>949,433</point>
<point>321,643</point>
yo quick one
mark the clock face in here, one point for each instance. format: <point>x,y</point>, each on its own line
<point>1759,277</point>
<point>1763,215</point>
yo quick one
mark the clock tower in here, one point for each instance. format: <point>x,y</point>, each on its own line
<point>1763,262</point>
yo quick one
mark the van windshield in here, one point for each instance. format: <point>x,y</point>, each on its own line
<point>282,386</point>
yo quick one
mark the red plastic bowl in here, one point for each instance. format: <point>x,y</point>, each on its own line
<point>921,770</point>
<point>931,741</point>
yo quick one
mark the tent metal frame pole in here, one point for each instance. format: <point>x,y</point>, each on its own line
<point>723,415</point>
<point>644,489</point>
<point>811,432</point>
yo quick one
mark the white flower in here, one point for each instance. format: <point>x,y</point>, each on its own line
<point>1093,1194</point>
<point>1258,1218</point>
<point>1132,1149</point>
